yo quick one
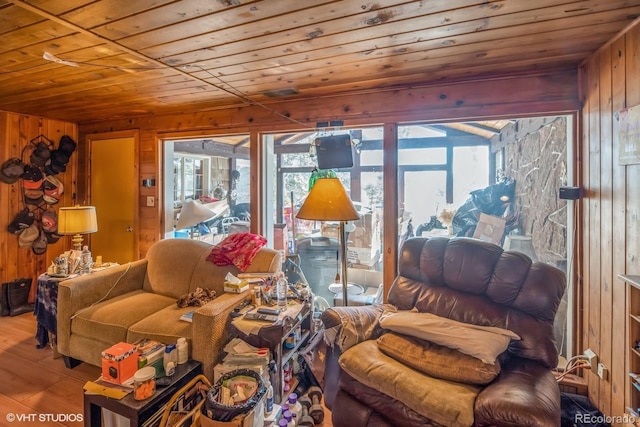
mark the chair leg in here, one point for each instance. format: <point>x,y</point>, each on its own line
<point>70,362</point>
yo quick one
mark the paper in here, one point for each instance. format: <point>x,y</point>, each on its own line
<point>109,391</point>
<point>231,279</point>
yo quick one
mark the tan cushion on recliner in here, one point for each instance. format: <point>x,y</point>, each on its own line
<point>444,402</point>
<point>437,361</point>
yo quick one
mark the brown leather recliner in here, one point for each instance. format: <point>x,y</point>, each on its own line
<point>470,281</point>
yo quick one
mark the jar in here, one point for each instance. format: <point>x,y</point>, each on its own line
<point>144,383</point>
<point>290,341</point>
<point>183,350</point>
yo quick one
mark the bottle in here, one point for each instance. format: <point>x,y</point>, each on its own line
<point>268,404</point>
<point>283,422</point>
<point>288,415</point>
<point>295,407</point>
<point>183,350</point>
<point>281,291</point>
<point>170,359</point>
<point>86,259</point>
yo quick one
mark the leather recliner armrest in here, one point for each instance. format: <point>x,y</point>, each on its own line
<point>345,327</point>
<point>525,394</point>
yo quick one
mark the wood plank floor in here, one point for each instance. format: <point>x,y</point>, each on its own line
<point>38,389</point>
<point>34,386</point>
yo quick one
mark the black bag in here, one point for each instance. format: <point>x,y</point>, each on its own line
<point>14,297</point>
<point>4,300</point>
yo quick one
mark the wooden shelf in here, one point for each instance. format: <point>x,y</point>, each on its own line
<point>632,365</point>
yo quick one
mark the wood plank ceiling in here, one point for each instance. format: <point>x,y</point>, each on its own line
<point>119,58</point>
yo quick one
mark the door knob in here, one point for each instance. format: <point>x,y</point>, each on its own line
<point>129,229</point>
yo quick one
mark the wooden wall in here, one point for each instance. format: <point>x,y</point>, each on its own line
<point>16,132</point>
<point>611,208</point>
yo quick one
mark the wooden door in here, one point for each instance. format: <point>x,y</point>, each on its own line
<point>113,189</point>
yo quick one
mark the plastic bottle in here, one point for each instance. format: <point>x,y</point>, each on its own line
<point>295,407</point>
<point>170,359</point>
<point>268,404</point>
<point>288,415</point>
<point>283,422</point>
<point>86,259</point>
<point>281,291</point>
<point>183,350</point>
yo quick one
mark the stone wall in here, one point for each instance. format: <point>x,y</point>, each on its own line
<point>537,162</point>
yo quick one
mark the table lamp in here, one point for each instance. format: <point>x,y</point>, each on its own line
<point>76,221</point>
<point>328,201</point>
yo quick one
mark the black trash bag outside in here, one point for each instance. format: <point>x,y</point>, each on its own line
<point>220,412</point>
<point>496,199</point>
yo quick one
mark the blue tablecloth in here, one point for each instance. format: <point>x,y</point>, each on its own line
<point>46,308</point>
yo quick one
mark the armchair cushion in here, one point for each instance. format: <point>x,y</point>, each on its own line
<point>437,361</point>
<point>111,319</point>
<point>445,402</point>
<point>484,342</point>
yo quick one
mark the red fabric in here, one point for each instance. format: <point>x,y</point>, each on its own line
<point>238,249</point>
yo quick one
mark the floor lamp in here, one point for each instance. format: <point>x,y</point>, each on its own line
<point>328,201</point>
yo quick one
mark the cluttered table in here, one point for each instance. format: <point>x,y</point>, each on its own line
<point>139,412</point>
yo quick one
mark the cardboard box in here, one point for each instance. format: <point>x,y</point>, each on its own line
<point>363,256</point>
<point>119,362</point>
<point>490,228</point>
<point>330,230</point>
<point>236,288</point>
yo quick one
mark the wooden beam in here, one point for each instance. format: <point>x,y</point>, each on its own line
<point>211,148</point>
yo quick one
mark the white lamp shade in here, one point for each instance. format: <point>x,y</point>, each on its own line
<point>77,220</point>
<point>193,213</point>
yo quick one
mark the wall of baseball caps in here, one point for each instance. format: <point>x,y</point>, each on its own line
<point>38,170</point>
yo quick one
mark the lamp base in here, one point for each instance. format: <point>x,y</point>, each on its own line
<point>77,242</point>
<point>343,248</point>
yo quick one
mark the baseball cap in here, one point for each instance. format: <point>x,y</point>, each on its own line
<point>33,197</point>
<point>28,236</point>
<point>52,237</point>
<point>53,189</point>
<point>22,220</point>
<point>40,154</point>
<point>67,145</point>
<point>32,178</point>
<point>50,221</point>
<point>39,245</point>
<point>11,170</point>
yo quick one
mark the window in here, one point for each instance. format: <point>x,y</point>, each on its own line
<point>189,178</point>
<point>317,243</point>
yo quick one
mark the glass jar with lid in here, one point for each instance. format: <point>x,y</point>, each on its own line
<point>144,383</point>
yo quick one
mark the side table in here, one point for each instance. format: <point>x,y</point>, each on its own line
<point>143,413</point>
<point>46,309</point>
